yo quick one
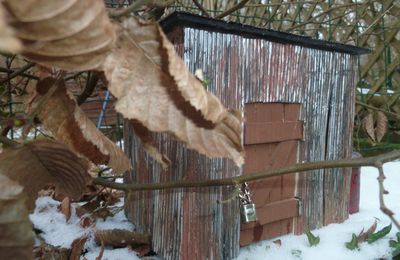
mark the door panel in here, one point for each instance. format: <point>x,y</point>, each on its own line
<point>272,134</point>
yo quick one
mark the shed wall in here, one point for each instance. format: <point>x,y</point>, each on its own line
<point>238,71</point>
<point>323,82</point>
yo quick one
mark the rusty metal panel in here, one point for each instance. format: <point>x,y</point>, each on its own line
<point>275,72</point>
<point>341,114</point>
<point>242,70</point>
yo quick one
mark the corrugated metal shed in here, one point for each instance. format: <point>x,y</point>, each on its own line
<point>298,98</point>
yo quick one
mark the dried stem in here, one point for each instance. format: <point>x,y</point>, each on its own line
<point>201,8</point>
<point>378,109</point>
<point>10,71</point>
<point>302,167</point>
<point>17,72</point>
<point>241,4</point>
<point>135,6</point>
<point>8,142</point>
<point>91,83</point>
<point>382,192</point>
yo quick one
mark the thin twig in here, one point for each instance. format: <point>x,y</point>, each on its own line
<point>201,8</point>
<point>135,6</point>
<point>377,109</point>
<point>382,193</point>
<point>8,142</point>
<point>233,9</point>
<point>22,74</point>
<point>17,72</point>
<point>376,20</point>
<point>91,83</point>
<point>302,167</point>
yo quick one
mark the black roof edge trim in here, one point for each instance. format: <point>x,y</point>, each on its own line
<point>200,22</point>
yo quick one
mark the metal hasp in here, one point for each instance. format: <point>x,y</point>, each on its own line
<point>298,98</point>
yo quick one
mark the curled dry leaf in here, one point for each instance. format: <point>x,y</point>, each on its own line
<point>69,124</point>
<point>121,238</point>
<point>381,125</point>
<point>16,236</point>
<point>8,42</point>
<point>77,247</point>
<point>148,143</point>
<point>46,162</point>
<point>368,123</point>
<point>363,236</point>
<point>153,86</point>
<point>148,78</point>
<point>70,34</point>
<point>277,242</point>
<point>49,252</point>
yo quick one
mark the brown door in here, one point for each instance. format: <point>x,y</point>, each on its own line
<point>272,134</point>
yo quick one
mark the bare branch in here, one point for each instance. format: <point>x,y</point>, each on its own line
<point>91,83</point>
<point>377,109</point>
<point>17,72</point>
<point>201,8</point>
<point>302,167</point>
<point>240,5</point>
<point>8,142</point>
<point>135,6</point>
<point>382,193</point>
<point>21,74</point>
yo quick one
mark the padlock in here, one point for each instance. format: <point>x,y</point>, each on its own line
<point>248,212</point>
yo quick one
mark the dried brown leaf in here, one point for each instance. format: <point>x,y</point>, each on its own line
<point>148,143</point>
<point>65,208</point>
<point>71,34</point>
<point>77,247</point>
<point>87,221</point>
<point>45,162</point>
<point>149,79</point>
<point>277,242</point>
<point>153,86</point>
<point>49,252</point>
<point>69,124</point>
<point>363,236</point>
<point>16,236</point>
<point>381,125</point>
<point>121,238</point>
<point>368,123</point>
<point>8,41</point>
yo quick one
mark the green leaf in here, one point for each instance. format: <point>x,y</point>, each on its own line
<point>393,243</point>
<point>398,236</point>
<point>381,233</point>
<point>312,240</point>
<point>353,244</point>
<point>396,253</point>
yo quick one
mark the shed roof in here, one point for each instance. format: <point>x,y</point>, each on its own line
<point>200,22</point>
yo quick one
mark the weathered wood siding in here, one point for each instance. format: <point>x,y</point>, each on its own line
<point>190,224</point>
<point>322,81</point>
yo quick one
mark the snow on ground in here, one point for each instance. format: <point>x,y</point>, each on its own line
<point>334,236</point>
<point>59,233</point>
